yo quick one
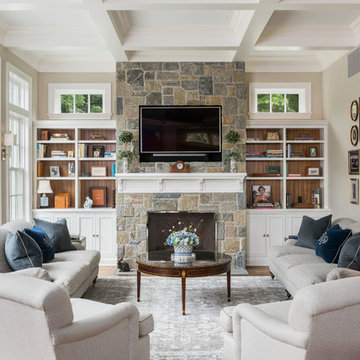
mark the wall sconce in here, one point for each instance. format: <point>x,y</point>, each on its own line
<point>8,143</point>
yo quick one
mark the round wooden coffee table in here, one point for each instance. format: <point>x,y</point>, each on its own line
<point>200,268</point>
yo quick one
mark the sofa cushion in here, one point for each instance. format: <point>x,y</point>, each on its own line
<point>36,272</point>
<point>309,274</point>
<point>58,234</point>
<point>4,265</point>
<point>281,250</point>
<point>146,323</point>
<point>330,243</point>
<point>43,241</point>
<point>288,261</point>
<point>311,230</point>
<point>350,254</point>
<point>22,251</point>
<point>69,275</point>
<point>90,258</point>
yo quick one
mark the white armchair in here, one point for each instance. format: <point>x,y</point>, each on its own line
<point>39,321</point>
<point>320,323</point>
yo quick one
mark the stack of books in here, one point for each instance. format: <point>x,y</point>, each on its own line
<point>41,150</point>
<point>294,175</point>
<point>254,139</point>
<point>110,154</point>
<point>59,137</point>
<point>264,206</point>
<point>304,137</point>
<point>58,154</point>
<point>274,153</point>
<point>297,154</point>
<point>254,154</point>
<point>97,136</point>
<point>82,150</point>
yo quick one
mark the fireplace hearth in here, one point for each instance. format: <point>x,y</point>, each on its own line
<point>159,224</point>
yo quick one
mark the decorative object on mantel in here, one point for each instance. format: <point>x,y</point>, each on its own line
<point>183,241</point>
<point>88,203</point>
<point>354,135</point>
<point>354,110</point>
<point>127,155</point>
<point>233,156</point>
<point>179,167</point>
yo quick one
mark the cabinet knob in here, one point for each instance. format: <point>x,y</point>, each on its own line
<point>264,235</point>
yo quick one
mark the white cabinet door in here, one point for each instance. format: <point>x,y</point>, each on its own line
<point>106,238</point>
<point>256,239</point>
<point>70,221</point>
<point>275,229</point>
<point>87,228</point>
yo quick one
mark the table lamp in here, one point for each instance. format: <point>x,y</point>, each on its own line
<point>44,188</point>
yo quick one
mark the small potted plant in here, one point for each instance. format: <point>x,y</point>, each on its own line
<point>183,239</point>
<point>232,137</point>
<point>127,155</point>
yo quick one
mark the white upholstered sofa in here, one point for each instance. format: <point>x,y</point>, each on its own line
<point>74,270</point>
<point>40,322</point>
<point>320,323</point>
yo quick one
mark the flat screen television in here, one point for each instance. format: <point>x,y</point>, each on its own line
<point>187,133</point>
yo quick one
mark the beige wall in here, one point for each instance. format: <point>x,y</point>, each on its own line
<point>46,78</point>
<point>314,78</point>
<point>338,93</point>
<point>8,57</point>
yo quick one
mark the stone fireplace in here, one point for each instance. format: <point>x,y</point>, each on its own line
<point>159,224</point>
<point>209,187</point>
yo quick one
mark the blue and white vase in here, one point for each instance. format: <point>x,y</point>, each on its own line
<point>183,254</point>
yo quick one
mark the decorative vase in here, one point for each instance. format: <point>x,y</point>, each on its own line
<point>232,165</point>
<point>125,163</point>
<point>183,254</point>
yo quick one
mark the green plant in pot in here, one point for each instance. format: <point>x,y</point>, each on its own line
<point>233,156</point>
<point>126,155</point>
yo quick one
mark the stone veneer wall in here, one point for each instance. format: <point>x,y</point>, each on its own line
<point>184,83</point>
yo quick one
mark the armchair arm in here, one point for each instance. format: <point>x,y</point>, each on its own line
<point>272,327</point>
<point>97,324</point>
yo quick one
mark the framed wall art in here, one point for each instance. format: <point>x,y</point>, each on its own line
<point>99,171</point>
<point>312,171</point>
<point>353,161</point>
<point>54,171</point>
<point>354,196</point>
<point>354,135</point>
<point>98,195</point>
<point>354,110</point>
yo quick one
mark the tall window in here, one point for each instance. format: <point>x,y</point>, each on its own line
<point>18,123</point>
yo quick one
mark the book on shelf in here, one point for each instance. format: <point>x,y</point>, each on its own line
<point>59,137</point>
<point>82,148</point>
<point>294,175</point>
<point>113,169</point>
<point>41,150</point>
<point>265,174</point>
<point>269,207</point>
<point>316,198</point>
<point>255,139</point>
<point>288,150</point>
<point>254,154</point>
<point>110,155</point>
<point>58,154</point>
<point>304,138</point>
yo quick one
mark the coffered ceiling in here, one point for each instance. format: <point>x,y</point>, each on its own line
<point>91,35</point>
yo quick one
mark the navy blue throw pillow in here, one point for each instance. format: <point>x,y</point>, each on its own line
<point>311,230</point>
<point>43,241</point>
<point>22,251</point>
<point>330,243</point>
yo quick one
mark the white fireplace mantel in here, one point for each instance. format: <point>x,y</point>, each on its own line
<point>180,182</point>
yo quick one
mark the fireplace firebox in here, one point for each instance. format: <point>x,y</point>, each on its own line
<point>159,224</point>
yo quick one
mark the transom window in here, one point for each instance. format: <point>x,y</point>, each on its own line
<point>280,100</point>
<point>71,101</point>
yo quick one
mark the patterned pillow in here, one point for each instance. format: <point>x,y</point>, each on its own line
<point>330,243</point>
<point>22,251</point>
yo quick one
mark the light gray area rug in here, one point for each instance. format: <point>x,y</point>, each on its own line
<point>198,334</point>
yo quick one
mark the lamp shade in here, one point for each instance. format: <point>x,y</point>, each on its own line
<point>9,139</point>
<point>44,187</point>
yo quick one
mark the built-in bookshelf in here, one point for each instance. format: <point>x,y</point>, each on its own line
<point>76,156</point>
<point>289,159</point>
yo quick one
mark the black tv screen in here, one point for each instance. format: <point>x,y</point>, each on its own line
<point>166,130</point>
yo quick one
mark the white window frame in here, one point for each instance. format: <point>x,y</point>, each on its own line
<point>27,170</point>
<point>302,89</point>
<point>56,90</point>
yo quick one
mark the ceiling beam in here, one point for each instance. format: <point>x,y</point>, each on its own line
<point>256,26</point>
<point>40,5</point>
<point>106,28</point>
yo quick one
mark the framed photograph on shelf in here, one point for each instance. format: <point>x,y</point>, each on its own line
<point>353,160</point>
<point>261,195</point>
<point>316,198</point>
<point>98,171</point>
<point>98,151</point>
<point>354,110</point>
<point>71,169</point>
<point>70,154</point>
<point>98,196</point>
<point>54,171</point>
<point>313,171</point>
<point>354,197</point>
<point>313,152</point>
<point>354,135</point>
<point>45,135</point>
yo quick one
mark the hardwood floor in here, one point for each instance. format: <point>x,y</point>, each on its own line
<point>253,270</point>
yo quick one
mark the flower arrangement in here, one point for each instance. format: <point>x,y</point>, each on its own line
<point>185,236</point>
